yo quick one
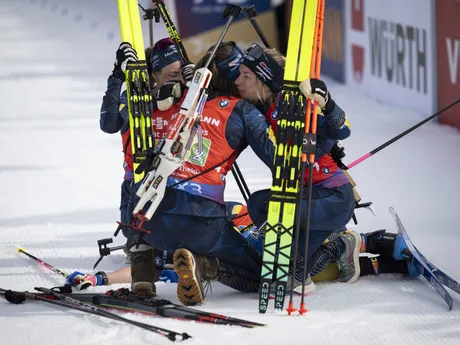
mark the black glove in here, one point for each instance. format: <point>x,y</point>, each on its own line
<point>316,89</point>
<point>125,53</point>
<point>168,94</point>
<point>188,69</point>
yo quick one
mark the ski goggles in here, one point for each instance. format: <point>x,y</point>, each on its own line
<point>164,53</point>
<point>264,67</point>
<point>231,65</point>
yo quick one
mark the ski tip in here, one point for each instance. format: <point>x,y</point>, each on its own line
<point>392,210</point>
<point>19,249</point>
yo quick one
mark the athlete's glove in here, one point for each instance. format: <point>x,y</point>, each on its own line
<point>125,53</point>
<point>188,69</point>
<point>170,275</point>
<point>168,94</point>
<point>82,281</point>
<point>317,90</point>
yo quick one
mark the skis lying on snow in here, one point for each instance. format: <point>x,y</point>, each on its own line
<point>66,301</point>
<point>430,272</point>
<point>125,300</point>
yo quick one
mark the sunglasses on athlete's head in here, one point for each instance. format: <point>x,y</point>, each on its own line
<point>255,51</point>
<point>230,65</point>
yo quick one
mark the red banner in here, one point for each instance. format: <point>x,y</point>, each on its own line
<point>448,48</point>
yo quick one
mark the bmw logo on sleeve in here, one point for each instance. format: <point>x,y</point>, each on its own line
<point>223,103</point>
<point>158,261</point>
<point>326,171</point>
<point>275,114</point>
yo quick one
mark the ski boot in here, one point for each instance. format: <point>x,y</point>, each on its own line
<point>349,268</point>
<point>195,274</point>
<point>144,273</point>
<point>388,245</point>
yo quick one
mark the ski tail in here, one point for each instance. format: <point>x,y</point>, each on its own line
<point>421,264</point>
<point>443,277</point>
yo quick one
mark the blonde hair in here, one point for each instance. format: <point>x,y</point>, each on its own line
<point>270,98</point>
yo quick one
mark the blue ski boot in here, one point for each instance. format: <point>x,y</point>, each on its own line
<point>389,245</point>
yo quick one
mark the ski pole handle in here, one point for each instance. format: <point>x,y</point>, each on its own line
<point>251,13</point>
<point>231,12</point>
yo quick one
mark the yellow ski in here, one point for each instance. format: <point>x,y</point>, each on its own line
<point>137,86</point>
<point>289,134</point>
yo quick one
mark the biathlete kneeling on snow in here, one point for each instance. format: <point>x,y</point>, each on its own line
<point>166,71</point>
<point>196,267</point>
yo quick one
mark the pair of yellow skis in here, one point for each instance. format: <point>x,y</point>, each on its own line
<point>296,141</point>
<point>137,86</point>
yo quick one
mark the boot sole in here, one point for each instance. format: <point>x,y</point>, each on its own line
<point>356,257</point>
<point>188,287</point>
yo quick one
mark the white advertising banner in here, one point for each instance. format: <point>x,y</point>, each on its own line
<point>390,51</point>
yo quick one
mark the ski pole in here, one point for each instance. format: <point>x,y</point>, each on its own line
<point>399,136</point>
<point>171,335</point>
<point>316,56</point>
<point>41,262</point>
<point>149,14</point>
<point>17,297</point>
<point>172,30</point>
<point>251,13</point>
<point>237,174</point>
<point>308,151</point>
<point>240,181</point>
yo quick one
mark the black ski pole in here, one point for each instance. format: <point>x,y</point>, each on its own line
<point>237,174</point>
<point>316,73</point>
<point>167,309</point>
<point>308,154</point>
<point>17,297</point>
<point>399,136</point>
<point>251,13</point>
<point>240,181</point>
<point>68,302</point>
<point>150,14</point>
<point>172,30</point>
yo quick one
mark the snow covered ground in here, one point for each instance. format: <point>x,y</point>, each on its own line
<point>59,193</point>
